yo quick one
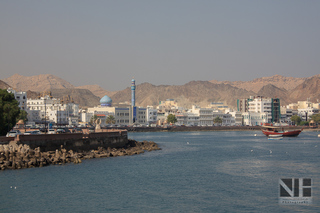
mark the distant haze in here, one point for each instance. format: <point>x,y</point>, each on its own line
<point>168,42</point>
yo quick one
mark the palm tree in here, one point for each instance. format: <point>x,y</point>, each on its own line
<point>110,120</point>
<point>217,120</point>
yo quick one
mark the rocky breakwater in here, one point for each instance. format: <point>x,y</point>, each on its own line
<point>13,156</point>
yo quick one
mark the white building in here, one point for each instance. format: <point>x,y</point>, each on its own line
<point>259,105</point>
<point>205,115</point>
<point>152,115</point>
<point>254,118</point>
<point>228,120</point>
<point>182,119</point>
<point>305,113</point>
<point>270,106</point>
<point>303,109</point>
<point>237,115</point>
<point>217,113</point>
<point>122,115</point>
<point>193,119</point>
<point>21,97</point>
<point>51,110</point>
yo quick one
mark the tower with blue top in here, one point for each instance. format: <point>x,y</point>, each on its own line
<point>133,93</point>
<point>133,100</point>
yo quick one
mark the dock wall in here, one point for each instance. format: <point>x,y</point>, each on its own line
<point>75,141</point>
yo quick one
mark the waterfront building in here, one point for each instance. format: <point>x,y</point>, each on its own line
<point>21,97</point>
<point>242,105</point>
<point>162,117</point>
<point>167,107</point>
<point>286,114</point>
<point>152,115</point>
<point>188,119</point>
<point>193,119</point>
<point>198,116</point>
<point>104,110</point>
<point>238,120</point>
<point>205,115</point>
<point>303,109</point>
<point>217,113</point>
<point>260,104</point>
<point>228,120</point>
<point>182,119</point>
<point>306,113</point>
<point>254,118</point>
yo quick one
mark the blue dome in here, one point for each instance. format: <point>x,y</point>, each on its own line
<point>105,101</point>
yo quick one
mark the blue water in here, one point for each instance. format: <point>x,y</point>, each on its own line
<point>194,172</point>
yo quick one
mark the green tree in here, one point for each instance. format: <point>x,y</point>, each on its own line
<point>110,120</point>
<point>9,111</point>
<point>217,120</point>
<point>23,115</point>
<point>171,119</point>
<point>316,118</point>
<point>296,119</point>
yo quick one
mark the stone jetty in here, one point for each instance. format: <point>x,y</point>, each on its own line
<point>14,156</point>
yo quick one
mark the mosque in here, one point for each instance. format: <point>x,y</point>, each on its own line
<point>127,115</point>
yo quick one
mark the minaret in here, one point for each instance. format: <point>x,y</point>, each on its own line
<point>133,101</point>
<point>133,93</point>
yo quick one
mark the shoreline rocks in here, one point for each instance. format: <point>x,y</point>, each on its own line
<point>13,156</point>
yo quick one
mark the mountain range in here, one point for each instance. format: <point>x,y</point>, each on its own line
<point>201,93</point>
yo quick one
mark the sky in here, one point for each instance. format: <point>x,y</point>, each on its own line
<point>167,42</point>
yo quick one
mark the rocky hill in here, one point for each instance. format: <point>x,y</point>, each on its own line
<point>97,90</point>
<point>37,83</point>
<point>58,87</point>
<point>33,95</point>
<point>195,92</point>
<point>310,88</point>
<point>83,97</point>
<point>287,83</point>
<point>275,92</point>
<point>4,85</point>
<point>201,93</point>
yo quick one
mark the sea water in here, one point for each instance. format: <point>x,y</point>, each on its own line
<point>218,171</point>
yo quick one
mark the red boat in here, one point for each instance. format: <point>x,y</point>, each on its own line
<point>280,130</point>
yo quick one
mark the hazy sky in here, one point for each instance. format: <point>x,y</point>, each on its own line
<point>167,42</point>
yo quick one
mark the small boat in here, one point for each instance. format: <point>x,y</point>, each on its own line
<point>285,131</point>
<point>275,138</point>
